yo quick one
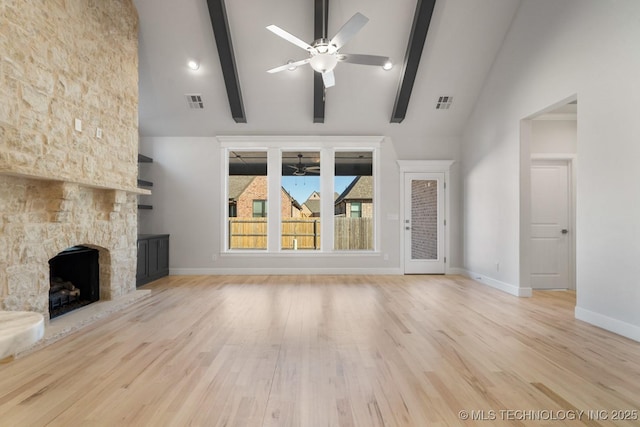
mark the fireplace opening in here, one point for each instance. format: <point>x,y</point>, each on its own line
<point>74,280</point>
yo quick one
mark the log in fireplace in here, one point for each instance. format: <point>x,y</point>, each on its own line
<point>74,280</point>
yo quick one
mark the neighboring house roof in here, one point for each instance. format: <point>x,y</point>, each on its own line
<point>313,205</point>
<point>361,188</point>
<point>237,185</point>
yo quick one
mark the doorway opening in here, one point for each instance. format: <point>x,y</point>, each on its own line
<point>547,187</point>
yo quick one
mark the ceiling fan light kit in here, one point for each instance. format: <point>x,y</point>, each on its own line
<point>324,54</point>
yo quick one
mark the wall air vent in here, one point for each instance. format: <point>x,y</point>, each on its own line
<point>195,101</point>
<point>444,102</point>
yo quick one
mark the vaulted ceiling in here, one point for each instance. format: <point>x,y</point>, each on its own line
<point>463,38</point>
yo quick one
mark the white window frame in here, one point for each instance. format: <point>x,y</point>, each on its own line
<point>275,146</point>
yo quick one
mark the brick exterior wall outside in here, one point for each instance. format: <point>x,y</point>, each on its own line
<point>424,219</point>
<point>257,190</point>
<point>63,60</point>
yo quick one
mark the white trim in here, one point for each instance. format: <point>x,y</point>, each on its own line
<point>427,166</point>
<point>563,117</point>
<point>284,271</point>
<point>301,141</point>
<point>554,156</point>
<point>299,253</point>
<point>608,323</point>
<point>497,284</point>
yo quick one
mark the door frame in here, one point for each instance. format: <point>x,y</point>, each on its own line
<point>568,160</point>
<point>526,159</point>
<point>426,166</point>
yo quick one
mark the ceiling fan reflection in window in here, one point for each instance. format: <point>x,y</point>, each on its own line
<point>301,169</point>
<point>324,54</point>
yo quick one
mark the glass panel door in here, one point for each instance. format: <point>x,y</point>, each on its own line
<point>423,223</point>
<point>424,219</point>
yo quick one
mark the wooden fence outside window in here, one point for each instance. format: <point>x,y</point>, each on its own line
<point>301,233</point>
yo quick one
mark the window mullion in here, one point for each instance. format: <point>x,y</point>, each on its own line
<point>327,171</point>
<point>274,172</point>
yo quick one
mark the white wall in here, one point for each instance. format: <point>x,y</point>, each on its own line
<point>554,137</point>
<point>557,49</point>
<point>186,201</point>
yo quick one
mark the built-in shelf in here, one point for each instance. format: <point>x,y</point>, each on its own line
<point>142,183</point>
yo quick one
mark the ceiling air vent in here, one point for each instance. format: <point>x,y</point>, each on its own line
<point>195,101</point>
<point>444,102</point>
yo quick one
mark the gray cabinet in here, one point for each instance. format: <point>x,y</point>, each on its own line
<point>153,257</point>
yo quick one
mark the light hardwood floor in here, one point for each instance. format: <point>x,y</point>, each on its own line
<point>328,351</point>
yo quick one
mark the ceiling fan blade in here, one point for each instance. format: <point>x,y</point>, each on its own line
<point>289,65</point>
<point>354,58</point>
<point>349,29</point>
<point>312,169</point>
<point>289,37</point>
<point>328,79</point>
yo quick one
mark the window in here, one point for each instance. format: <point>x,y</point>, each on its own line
<point>319,193</point>
<point>301,202</point>
<point>356,210</point>
<point>354,189</point>
<point>247,198</point>
<point>259,208</point>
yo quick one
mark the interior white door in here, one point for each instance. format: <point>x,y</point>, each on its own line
<point>424,223</point>
<point>550,241</point>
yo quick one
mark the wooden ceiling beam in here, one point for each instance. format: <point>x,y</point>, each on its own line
<point>419,30</point>
<point>220,25</point>
<point>320,29</point>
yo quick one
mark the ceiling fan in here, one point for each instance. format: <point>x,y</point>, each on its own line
<point>301,170</point>
<point>324,54</point>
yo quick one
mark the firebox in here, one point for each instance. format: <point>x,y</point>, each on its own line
<point>74,280</point>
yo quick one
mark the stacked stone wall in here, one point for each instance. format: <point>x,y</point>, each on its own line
<point>62,60</point>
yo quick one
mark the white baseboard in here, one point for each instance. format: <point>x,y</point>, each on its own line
<point>283,271</point>
<point>609,323</point>
<point>486,280</point>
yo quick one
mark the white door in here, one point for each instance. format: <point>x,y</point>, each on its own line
<point>550,232</point>
<point>423,223</point>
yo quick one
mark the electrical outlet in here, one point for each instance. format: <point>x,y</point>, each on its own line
<point>386,257</point>
<point>214,257</point>
<point>99,133</point>
<point>78,125</point>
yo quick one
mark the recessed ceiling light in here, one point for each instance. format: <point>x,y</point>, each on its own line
<point>387,66</point>
<point>193,65</point>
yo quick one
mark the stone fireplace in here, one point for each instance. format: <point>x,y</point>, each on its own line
<point>74,279</point>
<point>68,144</point>
<point>42,219</point>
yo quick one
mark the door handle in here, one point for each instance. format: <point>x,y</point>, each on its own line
<point>565,231</point>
